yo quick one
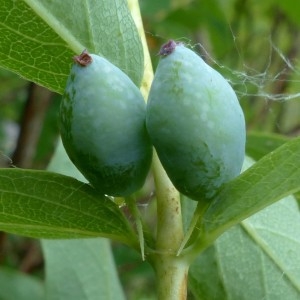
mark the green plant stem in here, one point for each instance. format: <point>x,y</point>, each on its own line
<point>171,274</point>
<point>169,218</point>
<point>171,270</point>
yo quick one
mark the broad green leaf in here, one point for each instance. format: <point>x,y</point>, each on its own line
<point>260,144</point>
<point>39,37</point>
<point>30,48</point>
<point>80,269</point>
<point>77,269</point>
<point>15,285</point>
<point>257,259</point>
<point>272,178</point>
<point>48,205</point>
<point>204,280</point>
<point>139,278</point>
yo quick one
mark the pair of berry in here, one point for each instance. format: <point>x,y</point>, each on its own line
<point>193,119</point>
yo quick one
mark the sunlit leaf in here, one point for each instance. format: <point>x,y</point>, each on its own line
<point>267,181</point>
<point>48,205</point>
<point>80,269</point>
<point>257,259</point>
<point>39,38</point>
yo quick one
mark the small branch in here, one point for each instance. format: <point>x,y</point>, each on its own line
<point>38,101</point>
<point>33,258</point>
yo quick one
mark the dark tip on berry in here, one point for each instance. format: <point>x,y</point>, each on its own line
<point>84,59</point>
<point>168,48</point>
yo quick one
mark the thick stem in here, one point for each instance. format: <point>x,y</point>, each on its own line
<point>171,270</point>
<point>169,219</point>
<point>171,274</point>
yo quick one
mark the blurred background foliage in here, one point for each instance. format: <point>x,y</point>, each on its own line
<point>255,44</point>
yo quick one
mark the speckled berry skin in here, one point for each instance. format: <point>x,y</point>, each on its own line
<point>102,123</point>
<point>196,124</point>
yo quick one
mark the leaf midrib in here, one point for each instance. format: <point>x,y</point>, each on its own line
<point>63,230</point>
<point>268,251</point>
<point>58,27</point>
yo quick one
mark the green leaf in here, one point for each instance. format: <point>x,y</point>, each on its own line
<point>260,144</point>
<point>39,38</point>
<point>205,280</point>
<point>16,285</point>
<point>48,205</point>
<point>272,178</point>
<point>257,259</point>
<point>80,269</point>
